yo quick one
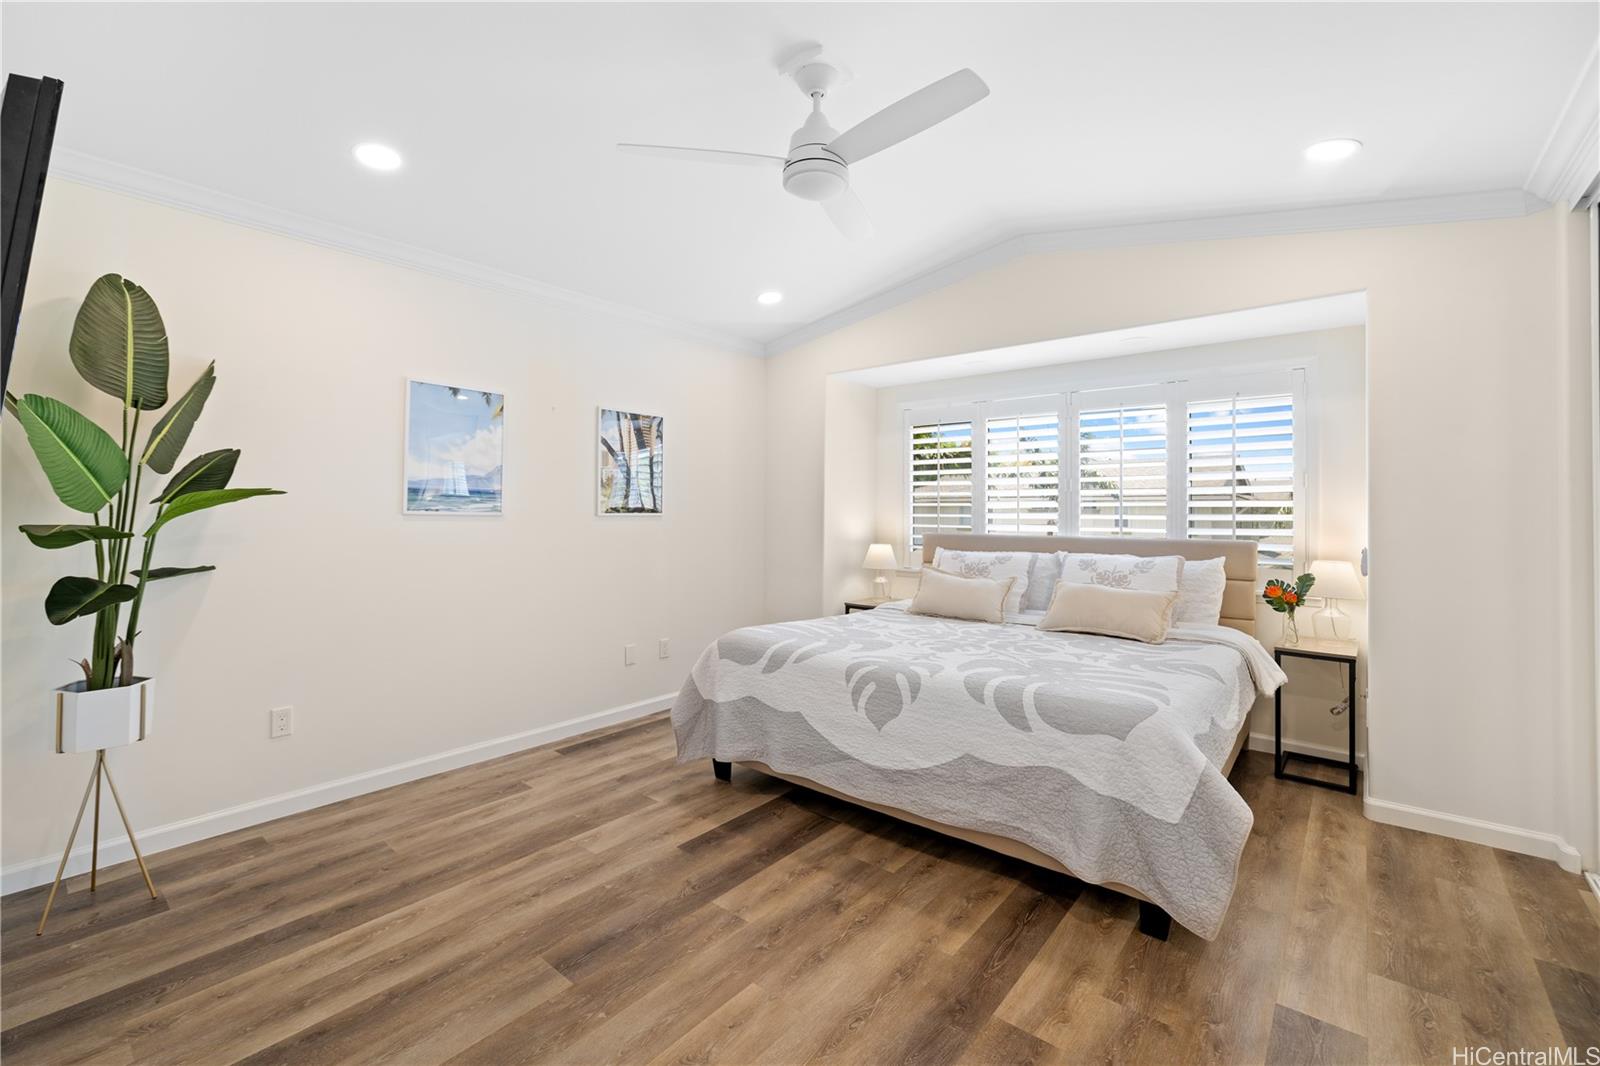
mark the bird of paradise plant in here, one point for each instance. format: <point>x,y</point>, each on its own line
<point>119,346</point>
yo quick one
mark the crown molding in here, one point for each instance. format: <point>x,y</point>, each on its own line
<point>1570,159</point>
<point>101,173</point>
<point>1462,207</point>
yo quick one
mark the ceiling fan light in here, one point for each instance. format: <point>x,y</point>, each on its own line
<point>770,297</point>
<point>815,179</point>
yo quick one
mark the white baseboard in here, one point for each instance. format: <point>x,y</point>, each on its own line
<point>1594,881</point>
<point>1508,837</point>
<point>1263,742</point>
<point>40,871</point>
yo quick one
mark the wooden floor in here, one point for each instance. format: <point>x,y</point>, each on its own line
<point>595,902</point>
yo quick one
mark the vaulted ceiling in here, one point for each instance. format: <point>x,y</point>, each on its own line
<point>507,116</point>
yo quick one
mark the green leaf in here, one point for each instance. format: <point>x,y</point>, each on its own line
<point>172,432</point>
<point>160,573</point>
<point>74,597</point>
<point>199,501</point>
<point>65,536</point>
<point>213,470</point>
<point>119,343</point>
<point>85,466</point>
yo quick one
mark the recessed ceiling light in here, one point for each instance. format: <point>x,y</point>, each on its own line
<point>377,156</point>
<point>767,299</point>
<point>1332,151</point>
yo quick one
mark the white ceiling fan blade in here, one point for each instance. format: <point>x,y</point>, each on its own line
<point>703,155</point>
<point>849,214</point>
<point>926,107</point>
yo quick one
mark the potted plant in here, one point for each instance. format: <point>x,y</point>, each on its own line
<point>1284,597</point>
<point>118,345</point>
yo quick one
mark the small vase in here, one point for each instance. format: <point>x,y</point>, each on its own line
<point>1291,631</point>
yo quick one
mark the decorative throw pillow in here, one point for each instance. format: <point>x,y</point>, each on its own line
<point>978,599</point>
<point>1200,589</point>
<point>993,565</point>
<point>1144,573</point>
<point>1110,611</point>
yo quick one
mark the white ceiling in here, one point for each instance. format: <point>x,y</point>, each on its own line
<point>507,115</point>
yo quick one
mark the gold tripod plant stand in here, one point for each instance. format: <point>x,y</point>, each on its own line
<point>100,769</point>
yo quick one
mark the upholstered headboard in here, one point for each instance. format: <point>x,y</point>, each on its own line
<point>1238,599</point>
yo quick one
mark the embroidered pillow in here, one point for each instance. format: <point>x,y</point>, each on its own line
<point>992,565</point>
<point>1200,589</point>
<point>1143,573</point>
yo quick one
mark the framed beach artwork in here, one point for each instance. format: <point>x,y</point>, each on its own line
<point>632,463</point>
<point>455,450</point>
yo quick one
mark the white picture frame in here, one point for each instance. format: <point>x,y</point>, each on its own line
<point>650,493</point>
<point>460,458</point>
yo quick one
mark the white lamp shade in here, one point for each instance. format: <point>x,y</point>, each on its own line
<point>1336,580</point>
<point>879,557</point>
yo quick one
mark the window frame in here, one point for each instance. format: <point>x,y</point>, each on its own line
<point>1293,380</point>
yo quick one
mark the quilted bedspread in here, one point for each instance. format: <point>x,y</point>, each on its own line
<point>1102,753</point>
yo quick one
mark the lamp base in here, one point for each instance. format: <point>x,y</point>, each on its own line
<point>1336,618</point>
<point>880,587</point>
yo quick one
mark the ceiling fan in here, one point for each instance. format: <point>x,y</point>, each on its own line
<point>818,164</point>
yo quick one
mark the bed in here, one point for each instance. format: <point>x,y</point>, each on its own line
<point>1100,758</point>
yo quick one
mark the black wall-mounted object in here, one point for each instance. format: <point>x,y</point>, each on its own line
<point>27,129</point>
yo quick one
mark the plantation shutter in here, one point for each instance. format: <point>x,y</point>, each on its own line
<point>1122,471</point>
<point>1241,474</point>
<point>941,479</point>
<point>1022,467</point>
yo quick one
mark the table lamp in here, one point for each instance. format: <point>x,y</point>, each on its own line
<point>1336,580</point>
<point>880,557</point>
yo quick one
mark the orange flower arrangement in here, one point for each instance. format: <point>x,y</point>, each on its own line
<point>1284,597</point>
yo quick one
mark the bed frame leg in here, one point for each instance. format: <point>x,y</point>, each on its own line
<point>1153,921</point>
<point>723,770</point>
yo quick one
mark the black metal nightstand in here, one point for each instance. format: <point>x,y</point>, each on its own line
<point>1333,651</point>
<point>862,605</point>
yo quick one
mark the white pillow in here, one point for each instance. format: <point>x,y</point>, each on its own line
<point>1144,573</point>
<point>1043,573</point>
<point>1110,611</point>
<point>1200,589</point>
<point>993,565</point>
<point>978,599</point>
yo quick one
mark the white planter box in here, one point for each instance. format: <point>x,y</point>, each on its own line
<point>105,718</point>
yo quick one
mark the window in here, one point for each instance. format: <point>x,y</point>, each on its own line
<point>1241,474</point>
<point>941,479</point>
<point>1122,471</point>
<point>1022,473</point>
<point>1218,458</point>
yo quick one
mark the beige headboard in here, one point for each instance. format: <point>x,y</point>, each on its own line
<point>1238,599</point>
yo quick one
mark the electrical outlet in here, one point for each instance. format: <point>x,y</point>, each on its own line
<point>664,648</point>
<point>280,722</point>
<point>629,655</point>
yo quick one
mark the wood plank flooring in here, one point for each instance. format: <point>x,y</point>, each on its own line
<point>595,902</point>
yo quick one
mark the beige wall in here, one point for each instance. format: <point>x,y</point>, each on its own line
<point>394,638</point>
<point>1479,503</point>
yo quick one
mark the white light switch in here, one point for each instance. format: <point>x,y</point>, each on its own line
<point>664,648</point>
<point>629,655</point>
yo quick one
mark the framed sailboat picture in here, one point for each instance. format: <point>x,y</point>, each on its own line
<point>632,463</point>
<point>455,450</point>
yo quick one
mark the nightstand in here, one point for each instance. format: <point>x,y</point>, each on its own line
<point>862,605</point>
<point>1328,651</point>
